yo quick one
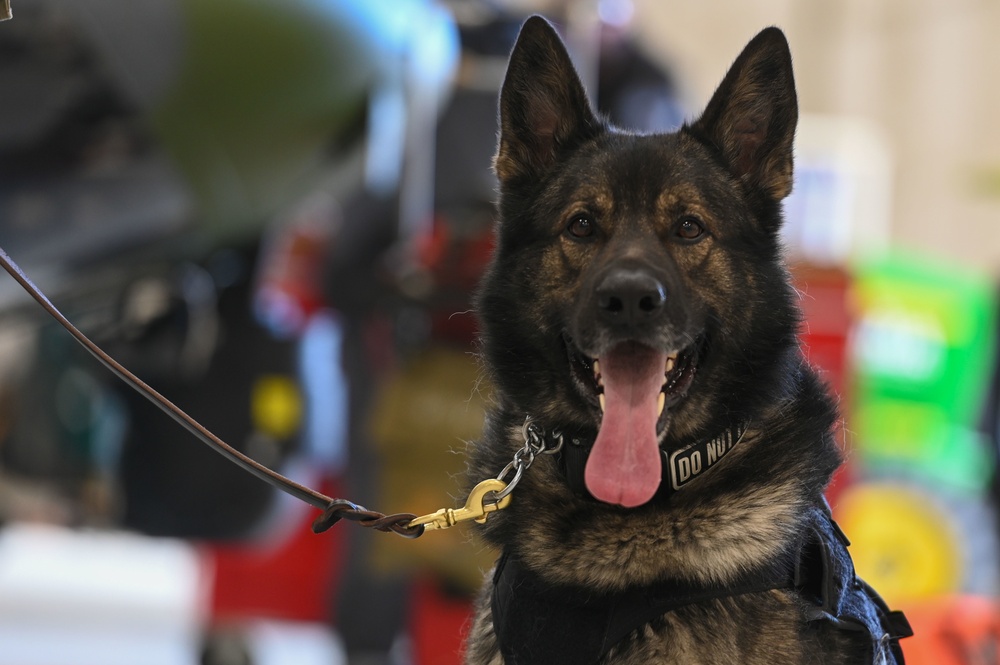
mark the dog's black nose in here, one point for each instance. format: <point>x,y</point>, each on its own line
<point>629,296</point>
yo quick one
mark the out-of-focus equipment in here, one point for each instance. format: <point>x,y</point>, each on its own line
<point>923,352</point>
<point>170,127</point>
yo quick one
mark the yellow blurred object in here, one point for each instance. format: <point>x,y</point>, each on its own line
<point>901,542</point>
<point>5,12</point>
<point>276,406</point>
<point>420,423</point>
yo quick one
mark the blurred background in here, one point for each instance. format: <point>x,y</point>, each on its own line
<point>275,212</point>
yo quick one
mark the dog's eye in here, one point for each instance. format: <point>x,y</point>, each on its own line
<point>581,226</point>
<point>689,228</point>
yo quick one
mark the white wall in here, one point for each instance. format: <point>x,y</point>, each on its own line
<point>926,71</point>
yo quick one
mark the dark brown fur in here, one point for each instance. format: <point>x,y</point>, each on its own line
<point>729,169</point>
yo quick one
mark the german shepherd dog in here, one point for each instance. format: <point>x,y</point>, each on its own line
<point>637,310</point>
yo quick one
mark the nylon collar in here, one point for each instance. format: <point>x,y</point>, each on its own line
<point>680,467</point>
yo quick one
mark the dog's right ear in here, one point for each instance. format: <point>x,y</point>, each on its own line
<point>543,107</point>
<point>751,118</point>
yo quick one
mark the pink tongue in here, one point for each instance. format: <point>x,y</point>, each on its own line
<point>624,464</point>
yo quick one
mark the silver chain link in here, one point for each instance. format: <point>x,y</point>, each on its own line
<point>534,444</point>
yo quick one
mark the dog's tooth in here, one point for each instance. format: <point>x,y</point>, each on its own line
<point>600,398</point>
<point>597,368</point>
<point>661,403</point>
<point>670,363</point>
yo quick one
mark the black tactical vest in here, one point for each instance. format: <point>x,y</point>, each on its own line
<point>538,623</point>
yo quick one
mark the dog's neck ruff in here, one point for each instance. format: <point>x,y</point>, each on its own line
<point>680,467</point>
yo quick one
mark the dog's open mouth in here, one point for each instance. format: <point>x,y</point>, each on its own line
<point>635,386</point>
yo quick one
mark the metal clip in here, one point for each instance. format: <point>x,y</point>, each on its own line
<point>476,508</point>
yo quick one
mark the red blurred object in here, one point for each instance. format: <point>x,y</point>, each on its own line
<point>827,324</point>
<point>293,579</point>
<point>456,263</point>
<point>456,260</point>
<point>289,287</point>
<point>438,625</point>
<point>963,630</point>
<point>843,478</point>
<point>827,321</point>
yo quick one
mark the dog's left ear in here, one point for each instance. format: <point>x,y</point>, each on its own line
<point>751,118</point>
<point>543,107</point>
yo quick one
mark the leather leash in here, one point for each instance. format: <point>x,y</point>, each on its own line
<point>334,510</point>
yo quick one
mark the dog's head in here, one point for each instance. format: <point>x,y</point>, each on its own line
<point>637,294</point>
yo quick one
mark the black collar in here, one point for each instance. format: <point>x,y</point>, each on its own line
<point>679,467</point>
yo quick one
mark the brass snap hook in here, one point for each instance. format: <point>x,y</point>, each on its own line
<point>476,507</point>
